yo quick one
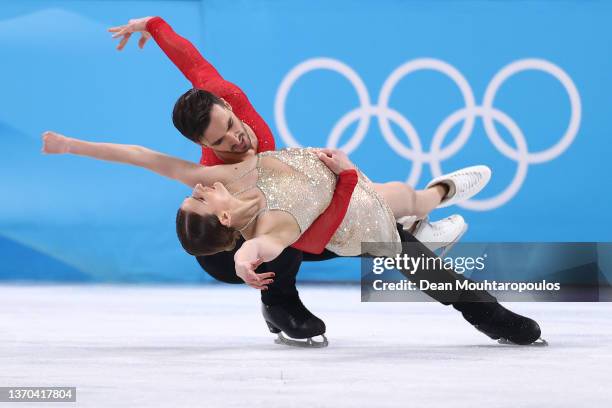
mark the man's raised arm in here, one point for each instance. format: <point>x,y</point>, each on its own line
<point>199,72</point>
<point>180,51</point>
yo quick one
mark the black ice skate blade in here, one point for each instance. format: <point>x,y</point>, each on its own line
<point>538,343</point>
<point>307,343</point>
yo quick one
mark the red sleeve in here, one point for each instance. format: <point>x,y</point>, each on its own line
<point>209,158</point>
<point>183,54</point>
<point>204,76</point>
<point>315,238</point>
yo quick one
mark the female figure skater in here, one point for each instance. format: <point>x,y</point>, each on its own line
<point>271,197</point>
<point>218,116</point>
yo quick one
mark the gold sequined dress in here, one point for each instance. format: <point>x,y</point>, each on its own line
<point>305,189</point>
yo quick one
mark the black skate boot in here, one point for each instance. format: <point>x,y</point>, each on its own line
<point>501,324</point>
<point>293,319</point>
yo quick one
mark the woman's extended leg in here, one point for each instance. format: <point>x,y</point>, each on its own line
<point>404,200</point>
<point>442,191</point>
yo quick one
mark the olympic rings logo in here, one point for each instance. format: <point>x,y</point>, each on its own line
<point>468,115</point>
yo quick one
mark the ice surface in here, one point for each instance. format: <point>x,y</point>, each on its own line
<point>209,347</point>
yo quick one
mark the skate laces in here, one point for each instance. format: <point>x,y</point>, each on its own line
<point>469,180</point>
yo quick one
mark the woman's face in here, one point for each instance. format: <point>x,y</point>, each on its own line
<point>208,200</point>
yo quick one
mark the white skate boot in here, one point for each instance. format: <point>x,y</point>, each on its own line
<point>441,234</point>
<point>462,184</point>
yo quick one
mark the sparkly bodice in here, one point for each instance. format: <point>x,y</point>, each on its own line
<point>304,190</point>
<point>296,181</point>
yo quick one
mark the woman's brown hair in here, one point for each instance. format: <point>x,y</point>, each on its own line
<point>203,234</point>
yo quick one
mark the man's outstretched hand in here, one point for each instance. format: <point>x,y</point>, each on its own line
<point>335,159</point>
<point>136,25</point>
<point>54,143</point>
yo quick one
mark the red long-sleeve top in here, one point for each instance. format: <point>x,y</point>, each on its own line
<point>204,76</point>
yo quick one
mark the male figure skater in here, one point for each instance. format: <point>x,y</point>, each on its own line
<point>217,115</point>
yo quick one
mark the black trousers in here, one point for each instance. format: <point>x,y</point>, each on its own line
<point>286,266</point>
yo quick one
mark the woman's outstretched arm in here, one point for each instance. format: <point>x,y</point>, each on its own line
<point>272,239</point>
<point>253,253</point>
<point>177,169</point>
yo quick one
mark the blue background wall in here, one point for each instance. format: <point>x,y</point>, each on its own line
<point>68,218</point>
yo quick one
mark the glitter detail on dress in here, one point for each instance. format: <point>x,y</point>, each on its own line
<point>306,191</point>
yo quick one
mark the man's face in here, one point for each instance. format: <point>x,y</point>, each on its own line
<point>226,133</point>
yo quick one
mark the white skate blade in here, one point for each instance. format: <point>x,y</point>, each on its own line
<point>305,343</point>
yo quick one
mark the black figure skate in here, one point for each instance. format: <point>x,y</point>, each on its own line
<point>295,325</point>
<point>501,324</point>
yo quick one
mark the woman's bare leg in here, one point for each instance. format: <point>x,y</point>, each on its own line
<point>404,200</point>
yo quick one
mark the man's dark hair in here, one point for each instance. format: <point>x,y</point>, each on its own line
<point>203,234</point>
<point>191,113</point>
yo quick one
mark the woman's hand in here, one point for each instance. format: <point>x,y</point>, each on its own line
<point>136,25</point>
<point>336,160</point>
<point>54,143</point>
<point>246,271</point>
